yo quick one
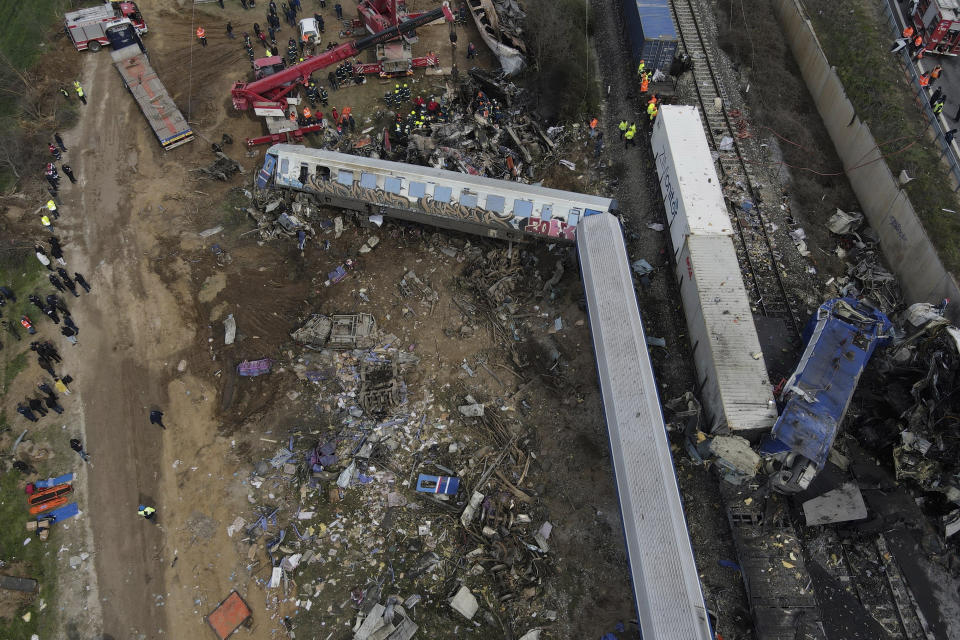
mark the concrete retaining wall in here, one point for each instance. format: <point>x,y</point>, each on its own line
<point>904,241</point>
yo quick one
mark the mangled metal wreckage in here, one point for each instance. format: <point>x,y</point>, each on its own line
<point>840,339</point>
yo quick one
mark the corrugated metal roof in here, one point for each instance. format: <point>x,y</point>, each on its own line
<point>665,579</point>
<point>741,371</point>
<point>688,178</point>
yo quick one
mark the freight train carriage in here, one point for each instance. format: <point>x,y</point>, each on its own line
<point>732,378</point>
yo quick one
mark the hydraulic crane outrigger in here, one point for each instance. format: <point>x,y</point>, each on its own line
<point>269,92</point>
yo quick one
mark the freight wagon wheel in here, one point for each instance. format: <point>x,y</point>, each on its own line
<point>93,45</point>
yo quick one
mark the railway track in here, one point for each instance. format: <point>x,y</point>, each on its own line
<point>756,249</point>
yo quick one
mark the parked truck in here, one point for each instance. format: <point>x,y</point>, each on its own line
<point>130,59</point>
<point>87,28</point>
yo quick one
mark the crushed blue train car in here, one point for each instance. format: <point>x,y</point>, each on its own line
<point>840,339</point>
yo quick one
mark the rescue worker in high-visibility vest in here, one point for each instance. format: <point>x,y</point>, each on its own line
<point>293,115</point>
<point>935,72</point>
<point>938,107</point>
<point>79,89</point>
<point>52,208</point>
<point>652,112</point>
<point>307,115</point>
<point>653,99</point>
<point>644,83</point>
<point>45,221</point>
<point>623,127</point>
<point>925,79</point>
<point>146,512</point>
<point>202,35</point>
<point>629,135</point>
<point>908,31</point>
<point>641,67</point>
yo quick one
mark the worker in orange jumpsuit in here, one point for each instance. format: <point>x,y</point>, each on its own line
<point>202,35</point>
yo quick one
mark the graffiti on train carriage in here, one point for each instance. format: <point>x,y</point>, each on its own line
<point>553,228</point>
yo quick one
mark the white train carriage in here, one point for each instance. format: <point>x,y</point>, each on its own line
<point>475,204</point>
<point>665,580</point>
<point>732,378</point>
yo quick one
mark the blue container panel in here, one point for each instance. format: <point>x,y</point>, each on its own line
<point>652,35</point>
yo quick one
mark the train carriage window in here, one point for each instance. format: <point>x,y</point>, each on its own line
<point>304,172</point>
<point>392,185</point>
<point>573,217</point>
<point>546,212</point>
<point>468,199</point>
<point>284,166</point>
<point>416,189</point>
<point>495,204</point>
<point>442,194</point>
<point>345,177</point>
<point>368,180</point>
<point>591,212</point>
<point>522,208</point>
<point>323,173</point>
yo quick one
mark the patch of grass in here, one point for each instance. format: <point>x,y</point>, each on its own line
<point>34,560</point>
<point>13,367</point>
<point>856,37</point>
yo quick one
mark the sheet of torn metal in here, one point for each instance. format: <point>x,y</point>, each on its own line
<point>507,46</point>
<point>844,504</point>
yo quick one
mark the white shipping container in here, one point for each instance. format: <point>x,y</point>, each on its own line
<point>688,179</point>
<point>734,387</point>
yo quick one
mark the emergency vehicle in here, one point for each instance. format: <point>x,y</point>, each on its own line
<point>938,21</point>
<point>87,28</point>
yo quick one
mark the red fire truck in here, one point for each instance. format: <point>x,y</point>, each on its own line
<point>938,21</point>
<point>87,28</point>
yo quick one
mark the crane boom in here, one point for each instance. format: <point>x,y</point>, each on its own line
<point>269,91</point>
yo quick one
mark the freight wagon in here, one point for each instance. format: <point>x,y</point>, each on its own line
<point>652,35</point>
<point>732,378</point>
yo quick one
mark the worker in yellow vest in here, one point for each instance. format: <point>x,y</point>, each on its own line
<point>652,111</point>
<point>52,208</point>
<point>629,135</point>
<point>641,68</point>
<point>79,89</point>
<point>623,127</point>
<point>45,221</point>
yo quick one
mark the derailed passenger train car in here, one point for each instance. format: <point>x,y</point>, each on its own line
<point>446,199</point>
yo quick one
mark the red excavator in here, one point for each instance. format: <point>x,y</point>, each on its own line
<point>267,93</point>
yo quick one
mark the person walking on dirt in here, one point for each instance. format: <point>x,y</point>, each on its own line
<point>81,281</point>
<point>55,151</point>
<point>47,350</point>
<point>37,406</point>
<point>77,446</point>
<point>69,334</point>
<point>471,51</point>
<point>68,320</point>
<point>629,136</point>
<point>69,284</point>
<point>56,250</point>
<point>339,9</point>
<point>55,281</point>
<point>26,413</point>
<point>57,303</point>
<point>146,512</point>
<point>46,365</point>
<point>936,96</point>
<point>69,173</point>
<point>52,314</point>
<point>79,90</point>
<point>52,404</point>
<point>35,301</point>
<point>230,31</point>
<point>156,417</point>
<point>202,36</point>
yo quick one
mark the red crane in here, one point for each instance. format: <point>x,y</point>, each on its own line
<point>269,92</point>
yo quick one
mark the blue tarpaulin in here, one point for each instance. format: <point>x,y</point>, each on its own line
<point>63,513</point>
<point>841,338</point>
<point>52,482</point>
